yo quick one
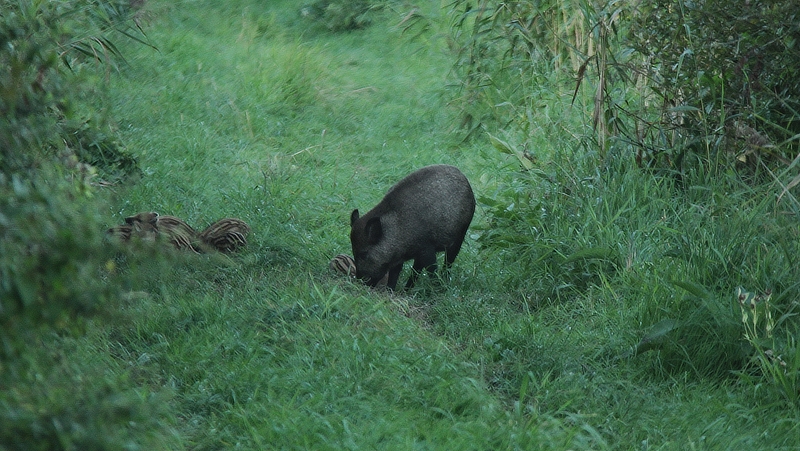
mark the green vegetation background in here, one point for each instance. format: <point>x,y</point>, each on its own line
<point>249,109</point>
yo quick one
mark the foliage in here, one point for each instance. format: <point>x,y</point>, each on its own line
<point>51,232</point>
<point>505,52</point>
<point>720,70</point>
<point>43,44</point>
<point>341,15</point>
<point>666,80</point>
<point>50,249</point>
<point>776,355</point>
<point>58,273</point>
<point>674,253</point>
<point>670,88</point>
<point>58,276</point>
<point>92,145</point>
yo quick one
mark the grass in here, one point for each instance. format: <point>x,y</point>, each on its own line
<point>245,110</point>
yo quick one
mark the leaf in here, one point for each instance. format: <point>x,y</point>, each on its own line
<point>488,201</point>
<point>581,72</point>
<point>656,336</point>
<point>791,185</point>
<point>501,145</point>
<point>683,109</point>
<point>541,174</point>
<point>692,288</point>
<point>507,148</point>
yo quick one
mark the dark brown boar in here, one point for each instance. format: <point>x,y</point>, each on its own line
<point>427,212</point>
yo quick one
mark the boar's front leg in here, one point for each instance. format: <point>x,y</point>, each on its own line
<point>424,261</point>
<point>394,274</point>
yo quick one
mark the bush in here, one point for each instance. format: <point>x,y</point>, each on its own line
<point>341,15</point>
<point>668,83</point>
<point>52,255</point>
<point>52,251</point>
<point>58,276</point>
<point>42,44</point>
<point>725,76</point>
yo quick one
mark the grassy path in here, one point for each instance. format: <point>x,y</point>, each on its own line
<point>237,116</point>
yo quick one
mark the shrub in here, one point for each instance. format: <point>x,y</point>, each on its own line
<point>340,15</point>
<point>52,255</point>
<point>42,44</point>
<point>52,251</point>
<point>775,355</point>
<point>670,82</point>
<point>57,273</point>
<point>724,75</point>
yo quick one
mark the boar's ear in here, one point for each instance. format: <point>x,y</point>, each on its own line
<point>145,216</point>
<point>374,230</point>
<point>353,217</point>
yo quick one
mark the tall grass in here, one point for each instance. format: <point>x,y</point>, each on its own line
<point>576,218</point>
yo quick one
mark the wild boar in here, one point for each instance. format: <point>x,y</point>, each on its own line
<point>427,212</point>
<point>225,235</point>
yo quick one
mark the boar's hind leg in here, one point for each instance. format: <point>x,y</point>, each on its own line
<point>426,261</point>
<point>451,252</point>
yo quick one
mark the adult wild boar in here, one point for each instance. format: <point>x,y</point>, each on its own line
<point>427,212</point>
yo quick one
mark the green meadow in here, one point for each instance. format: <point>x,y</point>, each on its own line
<point>593,305</point>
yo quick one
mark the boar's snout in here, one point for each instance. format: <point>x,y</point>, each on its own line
<point>371,278</point>
<point>372,281</point>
